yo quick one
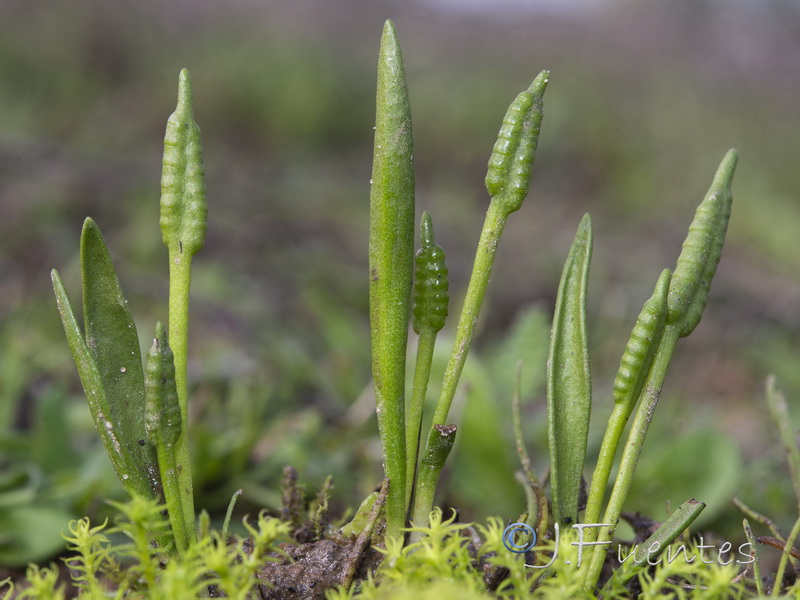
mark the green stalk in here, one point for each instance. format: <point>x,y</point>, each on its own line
<point>507,181</point>
<point>686,300</point>
<point>756,565</point>
<point>431,296</point>
<point>422,372</point>
<point>516,419</point>
<point>493,226</point>
<point>163,425</point>
<point>632,451</point>
<point>789,544</point>
<point>183,229</point>
<point>391,260</point>
<point>634,367</point>
<point>430,467</point>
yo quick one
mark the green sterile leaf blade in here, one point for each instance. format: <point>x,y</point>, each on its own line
<point>569,385</point>
<point>509,174</point>
<point>131,477</point>
<point>669,531</point>
<point>184,210</point>
<point>359,520</point>
<point>699,257</point>
<point>114,345</point>
<point>391,260</point>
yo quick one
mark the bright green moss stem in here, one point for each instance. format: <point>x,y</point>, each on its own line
<point>391,260</point>
<point>183,229</point>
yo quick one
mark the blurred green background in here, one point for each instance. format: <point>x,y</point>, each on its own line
<point>644,99</point>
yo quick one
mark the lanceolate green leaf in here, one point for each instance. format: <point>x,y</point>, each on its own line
<point>114,345</point>
<point>391,260</point>
<point>569,385</point>
<point>133,478</point>
<point>668,532</point>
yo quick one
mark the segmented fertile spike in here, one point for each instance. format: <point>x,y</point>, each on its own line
<point>701,251</point>
<point>431,286</point>
<point>642,344</point>
<point>183,190</point>
<point>162,409</point>
<point>509,174</point>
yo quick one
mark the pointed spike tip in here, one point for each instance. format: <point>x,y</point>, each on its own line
<point>185,90</point>
<point>726,169</point>
<point>539,84</point>
<point>426,229</point>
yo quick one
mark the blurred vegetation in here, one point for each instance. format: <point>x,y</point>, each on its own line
<point>643,102</point>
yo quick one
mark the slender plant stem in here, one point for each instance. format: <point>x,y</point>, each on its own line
<point>748,532</point>
<point>468,320</point>
<point>465,331</point>
<point>422,372</point>
<point>776,590</point>
<point>516,417</point>
<point>632,451</point>
<point>184,218</point>
<point>631,377</point>
<point>179,279</point>
<point>430,467</point>
<point>507,181</point>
